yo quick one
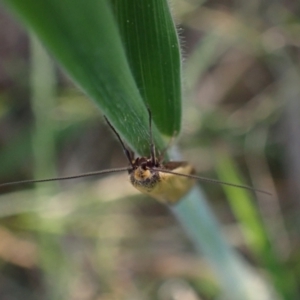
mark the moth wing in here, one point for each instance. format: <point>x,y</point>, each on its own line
<point>173,187</point>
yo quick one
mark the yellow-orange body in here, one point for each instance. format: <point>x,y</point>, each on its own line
<point>165,187</point>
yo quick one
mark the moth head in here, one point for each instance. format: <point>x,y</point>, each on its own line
<point>142,168</point>
<point>142,174</point>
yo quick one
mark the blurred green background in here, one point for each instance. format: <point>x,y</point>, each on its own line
<point>99,238</point>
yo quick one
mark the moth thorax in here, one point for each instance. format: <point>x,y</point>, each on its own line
<point>141,174</point>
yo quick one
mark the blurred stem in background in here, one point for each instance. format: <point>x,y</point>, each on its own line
<point>251,224</point>
<point>43,101</point>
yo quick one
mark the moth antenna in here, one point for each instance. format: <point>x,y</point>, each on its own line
<point>152,146</point>
<point>125,149</point>
<point>209,180</point>
<point>66,177</point>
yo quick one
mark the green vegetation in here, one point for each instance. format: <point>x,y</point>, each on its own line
<point>100,239</point>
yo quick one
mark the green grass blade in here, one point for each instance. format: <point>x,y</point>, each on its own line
<point>253,228</point>
<point>237,279</point>
<point>83,37</point>
<point>153,52</point>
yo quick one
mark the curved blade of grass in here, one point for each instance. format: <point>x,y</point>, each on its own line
<point>151,43</point>
<point>237,279</point>
<point>83,37</point>
<point>253,228</point>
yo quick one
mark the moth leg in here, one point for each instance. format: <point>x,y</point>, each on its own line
<point>128,153</point>
<point>152,146</point>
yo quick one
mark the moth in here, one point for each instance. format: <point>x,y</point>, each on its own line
<point>167,182</point>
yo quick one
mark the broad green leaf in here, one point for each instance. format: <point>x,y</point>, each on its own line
<point>83,37</point>
<point>151,43</point>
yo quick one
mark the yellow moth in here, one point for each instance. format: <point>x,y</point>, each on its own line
<point>167,182</point>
